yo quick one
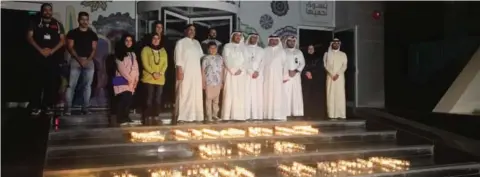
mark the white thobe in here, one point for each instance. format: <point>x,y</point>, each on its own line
<point>293,87</point>
<point>233,105</point>
<point>254,95</point>
<point>189,101</point>
<point>335,63</point>
<point>274,70</point>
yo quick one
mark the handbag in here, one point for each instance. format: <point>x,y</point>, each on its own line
<point>120,80</point>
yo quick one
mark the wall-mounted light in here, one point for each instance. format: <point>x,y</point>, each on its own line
<point>376,15</point>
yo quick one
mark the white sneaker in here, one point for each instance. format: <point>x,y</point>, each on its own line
<point>125,124</point>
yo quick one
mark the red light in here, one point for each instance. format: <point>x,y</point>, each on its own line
<point>376,15</point>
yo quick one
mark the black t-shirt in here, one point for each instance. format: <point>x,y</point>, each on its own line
<point>82,41</point>
<point>40,28</point>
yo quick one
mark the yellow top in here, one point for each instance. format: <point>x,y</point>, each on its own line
<point>154,61</point>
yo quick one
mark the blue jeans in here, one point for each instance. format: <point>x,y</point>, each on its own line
<point>86,86</point>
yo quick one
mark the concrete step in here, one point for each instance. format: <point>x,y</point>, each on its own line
<point>327,139</point>
<point>86,135</point>
<point>92,165</point>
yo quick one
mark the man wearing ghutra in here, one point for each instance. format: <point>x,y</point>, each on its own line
<point>233,105</point>
<point>335,63</point>
<point>275,74</point>
<point>293,87</point>
<point>188,52</point>
<point>254,94</point>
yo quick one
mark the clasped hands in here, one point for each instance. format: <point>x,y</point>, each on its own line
<point>46,52</point>
<point>335,77</point>
<point>157,75</point>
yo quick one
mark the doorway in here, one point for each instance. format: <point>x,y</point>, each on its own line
<point>322,38</point>
<point>15,55</point>
<point>348,38</point>
<point>222,24</point>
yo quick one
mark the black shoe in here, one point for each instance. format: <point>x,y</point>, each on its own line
<point>86,112</point>
<point>35,112</point>
<point>49,111</point>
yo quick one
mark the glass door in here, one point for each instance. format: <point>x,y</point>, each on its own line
<point>348,37</point>
<point>222,24</point>
<point>174,24</point>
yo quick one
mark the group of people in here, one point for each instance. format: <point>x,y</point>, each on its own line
<point>249,81</point>
<point>252,82</point>
<point>47,37</point>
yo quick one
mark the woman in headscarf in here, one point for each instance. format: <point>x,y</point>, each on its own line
<point>313,84</point>
<point>125,79</point>
<point>154,62</point>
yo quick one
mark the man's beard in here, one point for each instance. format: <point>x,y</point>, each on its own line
<point>212,37</point>
<point>47,17</point>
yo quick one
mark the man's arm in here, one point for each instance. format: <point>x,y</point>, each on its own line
<point>329,71</point>
<point>61,43</point>
<point>344,65</point>
<point>301,61</point>
<point>225,56</point>
<point>178,56</point>
<point>70,45</point>
<point>204,77</point>
<point>30,39</point>
<point>94,46</point>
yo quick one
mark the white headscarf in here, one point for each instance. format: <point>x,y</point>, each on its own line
<point>294,40</point>
<point>241,38</point>
<point>330,50</point>
<point>247,41</point>
<point>279,45</point>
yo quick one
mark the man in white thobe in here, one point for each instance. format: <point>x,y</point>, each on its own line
<point>233,105</point>
<point>293,87</point>
<point>189,102</point>
<point>254,94</point>
<point>335,63</point>
<point>275,74</point>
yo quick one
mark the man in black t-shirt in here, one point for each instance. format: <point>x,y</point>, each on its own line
<point>46,35</point>
<point>82,45</point>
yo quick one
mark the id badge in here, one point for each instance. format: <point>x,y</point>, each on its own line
<point>47,37</point>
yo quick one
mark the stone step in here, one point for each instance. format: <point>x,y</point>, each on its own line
<point>109,156</point>
<point>84,167</point>
<point>327,139</point>
<point>78,136</point>
<point>471,169</point>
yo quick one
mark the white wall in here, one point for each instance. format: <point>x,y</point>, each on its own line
<point>63,9</point>
<point>370,48</point>
<point>251,12</point>
<point>469,102</point>
<point>463,96</point>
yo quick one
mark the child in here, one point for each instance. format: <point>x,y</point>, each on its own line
<point>212,74</point>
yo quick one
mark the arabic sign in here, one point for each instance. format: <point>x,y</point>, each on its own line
<point>318,12</point>
<point>316,8</point>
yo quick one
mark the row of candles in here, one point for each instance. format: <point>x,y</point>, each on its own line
<point>217,151</point>
<point>338,168</point>
<point>214,151</point>
<point>200,134</point>
<point>235,171</point>
<point>281,147</point>
<point>342,168</point>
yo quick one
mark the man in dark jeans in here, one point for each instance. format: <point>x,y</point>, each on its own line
<point>82,45</point>
<point>46,35</point>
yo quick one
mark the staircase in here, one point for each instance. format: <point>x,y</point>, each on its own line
<point>86,148</point>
